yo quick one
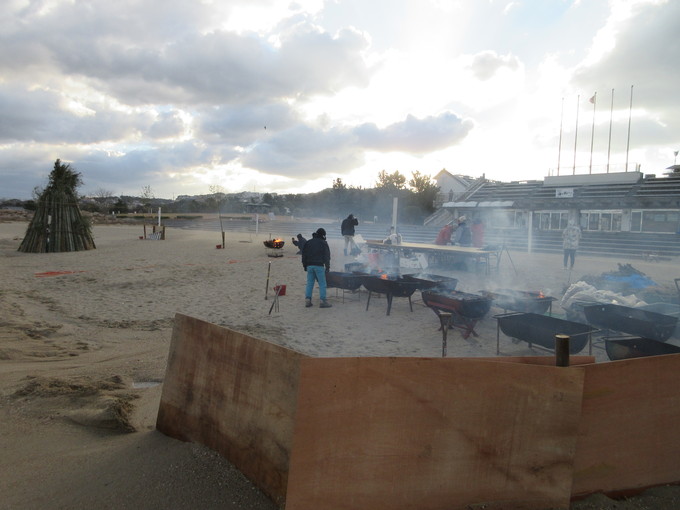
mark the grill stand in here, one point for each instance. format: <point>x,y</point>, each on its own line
<point>389,297</point>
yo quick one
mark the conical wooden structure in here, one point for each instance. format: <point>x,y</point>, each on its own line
<point>58,224</point>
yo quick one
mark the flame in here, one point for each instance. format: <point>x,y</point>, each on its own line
<point>540,294</point>
<point>383,276</point>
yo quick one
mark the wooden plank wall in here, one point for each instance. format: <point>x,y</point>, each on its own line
<point>629,436</point>
<point>425,433</point>
<point>397,433</point>
<point>235,394</point>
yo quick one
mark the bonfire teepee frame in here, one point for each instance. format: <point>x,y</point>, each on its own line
<point>58,224</point>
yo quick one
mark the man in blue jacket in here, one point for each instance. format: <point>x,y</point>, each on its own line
<point>316,259</point>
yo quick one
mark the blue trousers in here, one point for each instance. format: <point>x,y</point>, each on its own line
<point>317,273</point>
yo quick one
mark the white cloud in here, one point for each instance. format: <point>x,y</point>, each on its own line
<point>177,94</point>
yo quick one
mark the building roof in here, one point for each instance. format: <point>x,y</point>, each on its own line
<point>584,191</point>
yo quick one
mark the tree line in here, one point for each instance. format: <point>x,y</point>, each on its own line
<point>416,200</point>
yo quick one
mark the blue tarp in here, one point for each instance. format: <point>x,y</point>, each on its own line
<point>634,281</point>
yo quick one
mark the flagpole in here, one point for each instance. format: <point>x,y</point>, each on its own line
<point>559,149</point>
<point>630,114</point>
<point>592,133</point>
<point>578,100</point>
<point>609,147</point>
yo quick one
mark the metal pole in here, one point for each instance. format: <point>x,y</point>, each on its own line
<point>592,133</point>
<point>559,148</point>
<point>611,114</point>
<point>530,236</point>
<point>578,100</point>
<point>630,114</point>
<point>266,287</point>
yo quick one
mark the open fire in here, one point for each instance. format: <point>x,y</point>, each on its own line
<point>274,243</point>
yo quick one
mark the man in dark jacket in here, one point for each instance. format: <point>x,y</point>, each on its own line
<point>347,230</point>
<point>316,259</point>
<point>300,243</point>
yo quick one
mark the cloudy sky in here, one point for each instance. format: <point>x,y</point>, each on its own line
<point>268,95</point>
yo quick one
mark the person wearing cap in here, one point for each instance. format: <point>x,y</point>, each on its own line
<point>316,259</point>
<point>463,234</point>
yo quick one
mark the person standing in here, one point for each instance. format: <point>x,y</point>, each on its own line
<point>444,235</point>
<point>571,236</point>
<point>463,234</point>
<point>347,230</point>
<point>477,230</point>
<point>316,259</point>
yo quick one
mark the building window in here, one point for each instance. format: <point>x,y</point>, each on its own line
<point>601,221</point>
<point>659,221</point>
<point>550,220</point>
<point>636,221</point>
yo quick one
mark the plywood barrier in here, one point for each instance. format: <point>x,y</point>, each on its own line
<point>426,433</point>
<point>629,437</point>
<point>389,433</point>
<point>235,394</point>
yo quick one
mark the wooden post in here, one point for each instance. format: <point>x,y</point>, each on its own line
<point>562,350</point>
<point>223,239</point>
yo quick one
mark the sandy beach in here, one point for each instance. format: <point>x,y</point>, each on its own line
<point>84,340</point>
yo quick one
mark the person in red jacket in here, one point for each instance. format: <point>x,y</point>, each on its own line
<point>477,230</point>
<point>444,236</point>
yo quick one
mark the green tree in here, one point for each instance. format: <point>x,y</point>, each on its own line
<point>425,191</point>
<point>390,182</point>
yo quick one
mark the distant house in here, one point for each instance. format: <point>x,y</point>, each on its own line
<point>451,186</point>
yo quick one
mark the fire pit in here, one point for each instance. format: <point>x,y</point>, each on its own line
<point>634,321</point>
<point>466,309</point>
<point>390,286</point>
<point>539,329</point>
<point>636,347</point>
<point>521,300</point>
<point>429,281</point>
<point>274,247</point>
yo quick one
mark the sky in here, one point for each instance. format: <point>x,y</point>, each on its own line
<point>187,97</point>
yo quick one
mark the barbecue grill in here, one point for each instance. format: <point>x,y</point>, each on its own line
<point>466,309</point>
<point>344,281</point>
<point>637,347</point>
<point>634,321</point>
<point>539,329</point>
<point>429,281</point>
<point>521,300</point>
<point>390,286</point>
